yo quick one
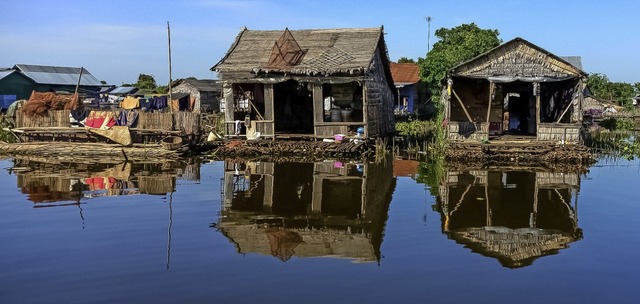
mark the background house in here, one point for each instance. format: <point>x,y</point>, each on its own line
<point>206,93</point>
<point>22,79</point>
<point>406,77</point>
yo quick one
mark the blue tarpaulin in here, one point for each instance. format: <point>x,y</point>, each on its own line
<point>6,101</point>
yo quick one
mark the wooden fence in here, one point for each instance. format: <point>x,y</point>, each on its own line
<point>188,123</point>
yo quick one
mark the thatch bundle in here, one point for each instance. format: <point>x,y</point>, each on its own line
<point>40,103</point>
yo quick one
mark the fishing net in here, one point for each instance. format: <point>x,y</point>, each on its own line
<point>40,103</point>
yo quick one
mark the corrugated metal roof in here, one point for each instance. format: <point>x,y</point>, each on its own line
<point>5,73</point>
<point>57,75</point>
<point>208,85</point>
<point>123,90</point>
<point>575,61</point>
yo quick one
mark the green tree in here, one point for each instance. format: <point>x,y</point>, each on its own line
<point>599,84</point>
<point>619,93</point>
<point>406,60</point>
<point>145,82</point>
<point>456,45</point>
<point>162,89</point>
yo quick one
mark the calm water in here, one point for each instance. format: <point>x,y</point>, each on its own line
<point>326,232</point>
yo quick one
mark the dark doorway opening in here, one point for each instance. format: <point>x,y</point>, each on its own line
<point>293,107</point>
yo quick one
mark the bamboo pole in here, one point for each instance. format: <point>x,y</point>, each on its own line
<point>79,79</point>
<point>170,80</point>
<point>564,112</point>
<point>462,105</point>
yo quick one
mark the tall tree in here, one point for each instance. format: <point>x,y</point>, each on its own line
<point>620,93</point>
<point>145,82</point>
<point>406,60</point>
<point>455,46</point>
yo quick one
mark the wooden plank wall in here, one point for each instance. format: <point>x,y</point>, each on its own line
<point>379,102</point>
<point>475,96</point>
<point>557,179</point>
<point>51,119</point>
<point>570,133</point>
<point>329,131</point>
<point>466,131</point>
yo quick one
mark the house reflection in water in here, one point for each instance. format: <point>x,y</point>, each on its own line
<point>513,216</point>
<point>47,184</point>
<point>322,209</point>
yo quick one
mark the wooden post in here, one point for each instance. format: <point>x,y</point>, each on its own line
<point>462,105</point>
<point>486,195</point>
<point>365,116</point>
<point>318,107</point>
<point>491,90</point>
<point>538,91</point>
<point>269,106</point>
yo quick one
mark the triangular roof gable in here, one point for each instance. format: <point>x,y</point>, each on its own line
<point>286,51</point>
<point>517,57</point>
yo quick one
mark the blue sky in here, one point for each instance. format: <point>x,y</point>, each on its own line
<point>117,40</point>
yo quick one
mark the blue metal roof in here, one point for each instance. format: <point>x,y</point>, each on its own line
<point>57,75</point>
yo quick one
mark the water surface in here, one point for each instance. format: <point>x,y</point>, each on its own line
<point>332,231</point>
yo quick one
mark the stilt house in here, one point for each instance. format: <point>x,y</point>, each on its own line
<point>516,91</point>
<point>510,215</point>
<point>308,83</point>
<point>306,209</point>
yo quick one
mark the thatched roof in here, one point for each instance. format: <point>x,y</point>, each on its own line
<point>519,59</point>
<point>326,51</point>
<point>514,247</point>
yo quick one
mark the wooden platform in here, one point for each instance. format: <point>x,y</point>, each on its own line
<point>244,148</point>
<point>522,152</point>
<point>57,151</point>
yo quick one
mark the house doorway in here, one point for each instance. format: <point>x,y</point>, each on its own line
<point>293,107</point>
<point>519,115</point>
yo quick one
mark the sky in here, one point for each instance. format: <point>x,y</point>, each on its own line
<point>118,40</point>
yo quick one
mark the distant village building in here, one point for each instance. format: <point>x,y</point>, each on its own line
<point>19,81</point>
<point>516,89</point>
<point>123,91</point>
<point>406,77</point>
<point>205,93</point>
<point>308,83</point>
